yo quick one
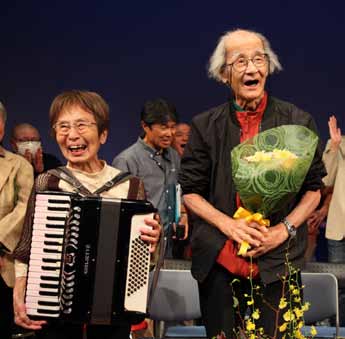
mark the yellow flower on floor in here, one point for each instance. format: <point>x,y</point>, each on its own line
<point>313,331</point>
<point>288,316</point>
<point>283,327</point>
<point>250,326</point>
<point>282,303</point>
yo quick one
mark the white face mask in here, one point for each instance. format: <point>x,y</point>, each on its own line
<point>32,146</point>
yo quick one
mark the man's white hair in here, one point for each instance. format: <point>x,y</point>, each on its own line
<point>218,58</point>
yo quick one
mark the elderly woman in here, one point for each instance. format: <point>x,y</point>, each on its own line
<point>16,181</point>
<point>79,122</point>
<point>242,60</point>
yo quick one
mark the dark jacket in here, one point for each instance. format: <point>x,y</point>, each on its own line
<point>206,170</point>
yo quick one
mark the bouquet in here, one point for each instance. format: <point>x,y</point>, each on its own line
<point>268,170</point>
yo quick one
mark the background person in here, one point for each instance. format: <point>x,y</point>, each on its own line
<point>26,141</point>
<point>16,180</point>
<point>79,122</point>
<point>181,137</point>
<point>155,162</point>
<point>242,60</point>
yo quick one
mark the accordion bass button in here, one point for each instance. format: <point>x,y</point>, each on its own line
<point>67,311</point>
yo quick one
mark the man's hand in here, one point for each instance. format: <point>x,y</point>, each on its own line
<point>335,133</point>
<point>20,316</point>
<point>151,234</point>
<point>241,230</point>
<point>274,236</point>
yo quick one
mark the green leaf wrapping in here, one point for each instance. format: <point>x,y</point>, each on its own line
<point>266,186</point>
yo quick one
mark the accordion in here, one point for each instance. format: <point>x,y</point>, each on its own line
<point>87,260</point>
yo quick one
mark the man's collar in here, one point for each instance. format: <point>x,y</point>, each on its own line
<point>164,152</point>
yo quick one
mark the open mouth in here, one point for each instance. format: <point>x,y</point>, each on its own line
<point>183,145</point>
<point>251,82</point>
<point>77,148</point>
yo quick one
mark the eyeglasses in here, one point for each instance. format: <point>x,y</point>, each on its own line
<point>63,128</point>
<point>241,64</point>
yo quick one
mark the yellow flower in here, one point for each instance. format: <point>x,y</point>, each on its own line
<point>282,303</point>
<point>298,312</point>
<point>297,299</point>
<point>300,324</point>
<point>250,302</point>
<point>288,316</point>
<point>306,306</point>
<point>283,327</point>
<point>313,331</point>
<point>256,314</point>
<point>250,326</point>
<point>252,336</point>
<point>295,291</point>
<point>299,335</point>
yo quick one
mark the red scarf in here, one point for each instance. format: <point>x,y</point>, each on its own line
<point>250,126</point>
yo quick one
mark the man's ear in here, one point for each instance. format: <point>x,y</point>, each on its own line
<point>144,126</point>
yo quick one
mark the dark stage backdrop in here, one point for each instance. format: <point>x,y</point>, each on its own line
<point>135,50</point>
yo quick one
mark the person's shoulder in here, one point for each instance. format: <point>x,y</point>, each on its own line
<point>286,106</point>
<point>23,163</point>
<point>128,152</point>
<point>173,155</point>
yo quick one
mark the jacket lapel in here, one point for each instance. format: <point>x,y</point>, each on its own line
<point>6,168</point>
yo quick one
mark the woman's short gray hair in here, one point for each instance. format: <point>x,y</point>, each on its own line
<point>3,112</point>
<point>217,60</point>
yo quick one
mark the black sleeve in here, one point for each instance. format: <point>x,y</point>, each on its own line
<point>194,175</point>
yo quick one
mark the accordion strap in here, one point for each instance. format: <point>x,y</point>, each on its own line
<point>65,174</point>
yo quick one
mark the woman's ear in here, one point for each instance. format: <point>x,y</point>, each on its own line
<point>103,137</point>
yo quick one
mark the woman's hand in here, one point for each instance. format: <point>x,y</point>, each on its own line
<point>335,133</point>
<point>20,316</point>
<point>151,234</point>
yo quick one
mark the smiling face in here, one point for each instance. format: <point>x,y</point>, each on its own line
<point>181,137</point>
<point>248,85</point>
<point>80,148</point>
<point>159,136</point>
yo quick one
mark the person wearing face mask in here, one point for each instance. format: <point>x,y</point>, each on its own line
<point>242,60</point>
<point>26,141</point>
<point>16,180</point>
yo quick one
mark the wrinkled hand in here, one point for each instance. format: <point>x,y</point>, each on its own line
<point>20,316</point>
<point>315,219</point>
<point>274,236</point>
<point>241,230</point>
<point>335,133</point>
<point>151,234</point>
<point>38,161</point>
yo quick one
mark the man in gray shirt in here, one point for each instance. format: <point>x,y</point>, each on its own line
<point>153,160</point>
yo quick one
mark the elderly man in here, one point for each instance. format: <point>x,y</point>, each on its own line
<point>16,181</point>
<point>26,140</point>
<point>242,60</point>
